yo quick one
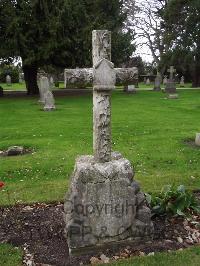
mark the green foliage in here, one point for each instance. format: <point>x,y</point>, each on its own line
<point>9,70</point>
<point>173,201</point>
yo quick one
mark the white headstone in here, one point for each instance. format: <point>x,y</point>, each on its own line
<point>148,81</point>
<point>51,80</point>
<point>165,80</point>
<point>49,102</point>
<point>8,80</point>
<point>197,139</point>
<point>131,89</point>
<point>43,84</point>
<point>182,82</point>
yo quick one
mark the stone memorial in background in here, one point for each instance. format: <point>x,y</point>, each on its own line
<point>51,81</point>
<point>148,82</point>
<point>197,139</point>
<point>165,80</point>
<point>170,87</point>
<point>21,78</point>
<point>158,81</point>
<point>104,204</point>
<point>131,89</point>
<point>182,82</point>
<point>49,102</point>
<point>43,85</point>
<point>8,80</point>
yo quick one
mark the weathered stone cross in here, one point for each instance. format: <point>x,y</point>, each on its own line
<point>172,71</point>
<point>104,77</point>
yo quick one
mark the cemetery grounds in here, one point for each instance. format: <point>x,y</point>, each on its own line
<point>154,133</point>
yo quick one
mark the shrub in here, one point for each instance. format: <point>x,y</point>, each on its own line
<point>173,201</point>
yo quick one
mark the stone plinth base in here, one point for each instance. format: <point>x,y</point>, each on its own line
<point>170,87</point>
<point>105,205</point>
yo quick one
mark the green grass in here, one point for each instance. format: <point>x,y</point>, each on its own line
<point>147,129</point>
<point>179,258</point>
<point>22,87</point>
<point>10,256</point>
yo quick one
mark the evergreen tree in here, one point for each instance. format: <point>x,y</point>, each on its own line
<point>58,33</point>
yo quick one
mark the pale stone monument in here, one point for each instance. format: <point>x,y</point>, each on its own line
<point>131,89</point>
<point>148,82</point>
<point>182,82</point>
<point>171,84</point>
<point>49,102</point>
<point>43,85</point>
<point>165,80</point>
<point>46,96</point>
<point>173,96</point>
<point>21,78</point>
<point>157,84</point>
<point>197,139</point>
<point>104,204</point>
<point>8,80</point>
<point>51,81</point>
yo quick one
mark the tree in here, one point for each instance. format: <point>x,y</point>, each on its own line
<point>58,33</point>
<point>183,22</point>
<point>146,18</point>
<point>29,30</point>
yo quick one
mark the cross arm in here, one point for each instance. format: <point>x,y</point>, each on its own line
<point>83,77</point>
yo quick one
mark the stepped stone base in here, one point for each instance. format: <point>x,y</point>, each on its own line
<point>105,205</point>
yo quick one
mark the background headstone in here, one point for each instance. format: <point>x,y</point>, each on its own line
<point>49,102</point>
<point>197,139</point>
<point>165,80</point>
<point>170,87</point>
<point>131,89</point>
<point>157,84</point>
<point>8,80</point>
<point>148,82</point>
<point>182,82</point>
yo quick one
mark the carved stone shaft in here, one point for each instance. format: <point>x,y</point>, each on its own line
<point>101,100</point>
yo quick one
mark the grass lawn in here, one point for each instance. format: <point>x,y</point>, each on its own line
<point>10,256</point>
<point>148,129</point>
<point>180,258</point>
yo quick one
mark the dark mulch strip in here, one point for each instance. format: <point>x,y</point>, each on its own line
<point>191,143</point>
<point>41,227</point>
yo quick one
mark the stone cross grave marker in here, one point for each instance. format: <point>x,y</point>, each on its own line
<point>171,72</point>
<point>104,204</point>
<point>171,85</point>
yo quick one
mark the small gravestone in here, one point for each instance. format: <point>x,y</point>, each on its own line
<point>171,84</point>
<point>157,84</point>
<point>145,79</point>
<point>173,96</point>
<point>182,82</point>
<point>43,85</point>
<point>49,102</point>
<point>165,80</point>
<point>21,78</point>
<point>148,82</point>
<point>131,89</point>
<point>51,81</point>
<point>8,80</point>
<point>197,139</point>
<point>104,204</point>
<point>1,91</point>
